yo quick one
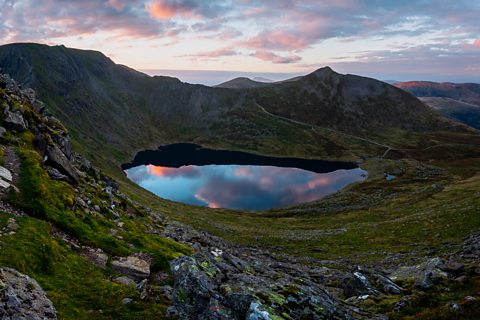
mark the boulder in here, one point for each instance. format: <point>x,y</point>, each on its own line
<point>209,285</point>
<point>14,121</point>
<point>5,178</point>
<point>358,284</point>
<point>59,161</point>
<point>133,266</point>
<point>22,298</point>
<point>64,144</point>
<point>5,174</point>
<point>40,144</point>
<point>193,288</point>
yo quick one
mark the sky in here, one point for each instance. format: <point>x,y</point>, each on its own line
<point>436,40</point>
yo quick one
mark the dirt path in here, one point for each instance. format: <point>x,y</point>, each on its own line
<point>314,128</point>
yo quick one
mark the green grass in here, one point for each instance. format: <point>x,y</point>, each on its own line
<point>52,201</point>
<point>78,289</point>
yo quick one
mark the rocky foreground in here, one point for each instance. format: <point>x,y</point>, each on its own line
<point>219,280</point>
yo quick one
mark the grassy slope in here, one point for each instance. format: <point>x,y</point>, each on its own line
<point>432,201</point>
<point>78,289</point>
<point>454,109</point>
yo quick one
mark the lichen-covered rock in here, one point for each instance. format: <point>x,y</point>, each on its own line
<point>218,285</point>
<point>59,161</point>
<point>21,298</point>
<point>425,274</point>
<point>133,266</point>
<point>14,121</point>
<point>368,282</point>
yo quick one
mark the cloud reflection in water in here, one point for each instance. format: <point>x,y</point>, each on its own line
<point>241,186</point>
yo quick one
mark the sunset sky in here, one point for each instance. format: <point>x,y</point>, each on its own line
<point>400,40</point>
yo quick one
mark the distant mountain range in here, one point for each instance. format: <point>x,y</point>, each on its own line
<point>242,83</point>
<point>458,101</point>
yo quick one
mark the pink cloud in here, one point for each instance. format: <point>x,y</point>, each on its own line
<point>277,40</point>
<point>274,58</point>
<point>186,171</point>
<point>209,203</point>
<point>243,172</point>
<point>212,54</point>
<point>165,9</point>
<point>476,44</point>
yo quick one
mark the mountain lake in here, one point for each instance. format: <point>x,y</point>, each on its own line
<point>191,174</point>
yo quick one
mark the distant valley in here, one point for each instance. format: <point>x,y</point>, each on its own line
<point>458,101</point>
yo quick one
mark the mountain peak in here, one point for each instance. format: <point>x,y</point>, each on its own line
<point>324,70</point>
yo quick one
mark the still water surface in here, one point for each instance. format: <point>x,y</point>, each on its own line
<point>256,186</point>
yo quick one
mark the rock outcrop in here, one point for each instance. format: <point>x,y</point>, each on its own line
<point>21,298</point>
<point>57,159</point>
<point>226,281</point>
<point>14,121</point>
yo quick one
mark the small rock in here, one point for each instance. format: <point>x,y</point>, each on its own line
<point>171,312</point>
<point>2,131</point>
<point>96,257</point>
<point>56,175</point>
<point>125,281</point>
<point>425,282</point>
<point>12,224</point>
<point>80,202</point>
<point>451,266</point>
<point>132,266</point>
<point>127,301</point>
<point>256,313</point>
<point>453,306</point>
<point>5,174</point>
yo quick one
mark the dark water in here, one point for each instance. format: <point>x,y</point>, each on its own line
<point>191,174</point>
